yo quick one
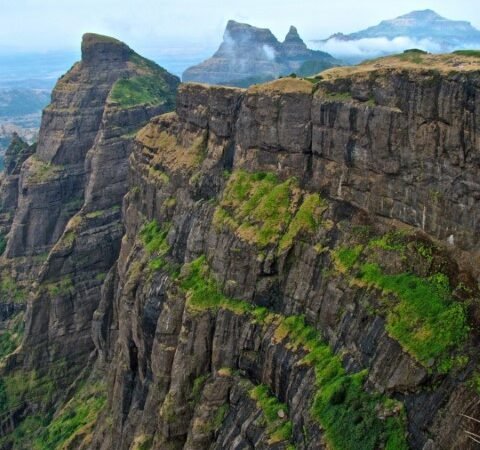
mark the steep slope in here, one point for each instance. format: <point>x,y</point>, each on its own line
<point>298,269</point>
<point>66,228</point>
<point>250,55</point>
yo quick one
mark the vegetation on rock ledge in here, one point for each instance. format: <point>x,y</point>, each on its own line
<point>351,417</point>
<point>263,210</point>
<point>279,428</point>
<point>140,90</point>
<point>421,316</point>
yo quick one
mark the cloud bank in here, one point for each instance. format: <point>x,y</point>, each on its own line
<point>370,47</point>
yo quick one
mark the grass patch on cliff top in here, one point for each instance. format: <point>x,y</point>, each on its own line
<point>471,53</point>
<point>421,313</point>
<point>140,90</point>
<point>349,415</point>
<point>263,210</point>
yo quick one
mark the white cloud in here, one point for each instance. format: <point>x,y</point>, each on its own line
<point>269,52</point>
<point>369,47</point>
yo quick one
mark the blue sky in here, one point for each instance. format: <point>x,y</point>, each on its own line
<point>191,27</point>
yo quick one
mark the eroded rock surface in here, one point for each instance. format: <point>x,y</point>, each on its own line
<point>293,265</point>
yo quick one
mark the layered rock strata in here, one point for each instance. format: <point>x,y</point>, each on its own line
<point>391,154</point>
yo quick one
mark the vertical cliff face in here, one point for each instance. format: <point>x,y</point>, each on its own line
<point>298,269</point>
<point>66,228</point>
<point>298,266</point>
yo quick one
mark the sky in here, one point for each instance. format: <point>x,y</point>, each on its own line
<point>191,27</point>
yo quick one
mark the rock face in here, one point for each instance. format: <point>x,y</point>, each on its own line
<point>66,199</point>
<point>184,350</point>
<point>298,269</point>
<point>17,152</point>
<point>249,55</point>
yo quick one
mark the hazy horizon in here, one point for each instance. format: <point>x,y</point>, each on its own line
<point>187,28</point>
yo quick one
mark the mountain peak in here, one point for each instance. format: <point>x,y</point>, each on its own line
<point>99,48</point>
<point>424,29</point>
<point>292,35</point>
<point>422,15</point>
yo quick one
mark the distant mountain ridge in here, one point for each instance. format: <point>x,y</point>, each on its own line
<point>424,29</point>
<point>249,54</point>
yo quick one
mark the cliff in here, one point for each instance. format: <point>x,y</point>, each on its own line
<point>298,269</point>
<point>250,55</point>
<point>64,202</point>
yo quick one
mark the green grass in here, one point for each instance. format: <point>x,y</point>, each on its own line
<point>10,290</point>
<point>154,238</point>
<point>197,388</point>
<point>41,171</point>
<point>62,287</point>
<point>74,418</point>
<point>203,290</point>
<point>11,337</point>
<point>392,241</point>
<point>346,257</point>
<point>306,220</point>
<point>421,316</point>
<point>348,414</point>
<point>101,276</point>
<point>339,96</point>
<point>473,53</point>
<point>278,429</point>
<point>19,386</point>
<point>140,90</point>
<point>263,210</point>
<point>25,432</point>
<point>425,320</point>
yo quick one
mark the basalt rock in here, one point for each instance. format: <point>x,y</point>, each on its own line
<point>250,55</point>
<point>66,199</point>
<point>298,267</point>
<point>376,146</point>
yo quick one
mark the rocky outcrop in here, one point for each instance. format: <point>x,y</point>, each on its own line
<point>66,229</point>
<point>250,55</point>
<point>17,152</point>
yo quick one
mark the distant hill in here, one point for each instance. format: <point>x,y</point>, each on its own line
<point>20,112</point>
<point>425,29</point>
<point>20,102</point>
<point>250,55</point>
